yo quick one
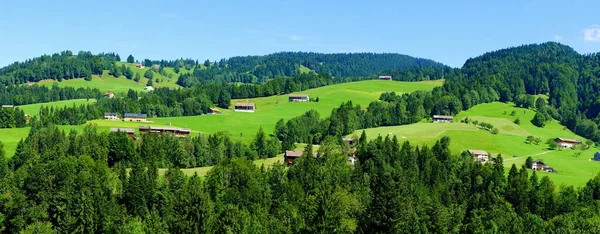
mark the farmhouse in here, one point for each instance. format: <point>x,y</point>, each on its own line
<point>149,88</point>
<point>139,66</point>
<point>480,155</point>
<point>130,131</point>
<point>350,141</point>
<point>109,95</point>
<point>299,98</point>
<point>290,156</point>
<point>111,116</point>
<point>214,111</point>
<point>442,118</point>
<point>245,107</point>
<point>385,77</point>
<point>178,132</point>
<point>8,106</point>
<point>597,156</point>
<point>132,117</point>
<point>538,165</point>
<point>567,143</point>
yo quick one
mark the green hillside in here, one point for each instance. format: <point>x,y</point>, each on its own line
<point>107,82</point>
<point>270,109</point>
<point>510,141</point>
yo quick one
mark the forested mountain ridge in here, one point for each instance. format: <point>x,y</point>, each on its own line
<point>253,69</point>
<point>571,81</point>
<point>245,69</point>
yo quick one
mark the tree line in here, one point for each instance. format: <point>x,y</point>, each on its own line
<point>79,182</point>
<point>59,66</point>
<point>23,94</point>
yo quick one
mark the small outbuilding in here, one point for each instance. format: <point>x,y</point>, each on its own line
<point>214,111</point>
<point>109,95</point>
<point>8,106</point>
<point>442,118</point>
<point>149,88</point>
<point>130,131</point>
<point>385,77</point>
<point>480,155</point>
<point>245,107</point>
<point>290,156</point>
<point>298,98</point>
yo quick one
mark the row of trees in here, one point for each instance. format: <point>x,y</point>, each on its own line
<point>81,183</point>
<point>23,95</point>
<point>58,66</point>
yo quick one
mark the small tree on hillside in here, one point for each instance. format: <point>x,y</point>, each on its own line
<point>149,83</point>
<point>518,121</point>
<point>551,143</point>
<point>513,113</point>
<point>130,59</point>
<point>539,120</point>
<point>529,139</point>
<point>137,77</point>
<point>149,74</point>
<point>495,131</point>
<point>529,162</point>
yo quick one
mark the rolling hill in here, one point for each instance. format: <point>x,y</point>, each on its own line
<point>509,142</point>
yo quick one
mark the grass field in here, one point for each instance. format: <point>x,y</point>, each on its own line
<point>34,109</point>
<point>271,109</point>
<point>509,142</point>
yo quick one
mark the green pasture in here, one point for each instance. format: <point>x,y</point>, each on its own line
<point>270,109</point>
<point>509,142</point>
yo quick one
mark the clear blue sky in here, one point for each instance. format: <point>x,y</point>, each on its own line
<point>446,31</point>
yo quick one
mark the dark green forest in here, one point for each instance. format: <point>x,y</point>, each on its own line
<point>107,183</point>
<point>259,69</point>
<point>59,66</point>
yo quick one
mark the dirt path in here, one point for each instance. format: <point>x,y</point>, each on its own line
<point>531,155</point>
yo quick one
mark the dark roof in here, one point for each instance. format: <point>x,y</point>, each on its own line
<point>110,113</point>
<point>127,130</point>
<point>568,140</point>
<point>443,117</point>
<point>244,104</point>
<point>135,115</point>
<point>184,130</point>
<point>295,154</point>
<point>299,95</point>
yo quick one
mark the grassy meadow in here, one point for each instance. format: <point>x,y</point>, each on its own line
<point>270,109</point>
<point>509,142</point>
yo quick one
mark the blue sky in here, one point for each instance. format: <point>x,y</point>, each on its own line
<point>446,31</point>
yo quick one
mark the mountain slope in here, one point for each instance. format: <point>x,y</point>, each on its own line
<point>568,78</point>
